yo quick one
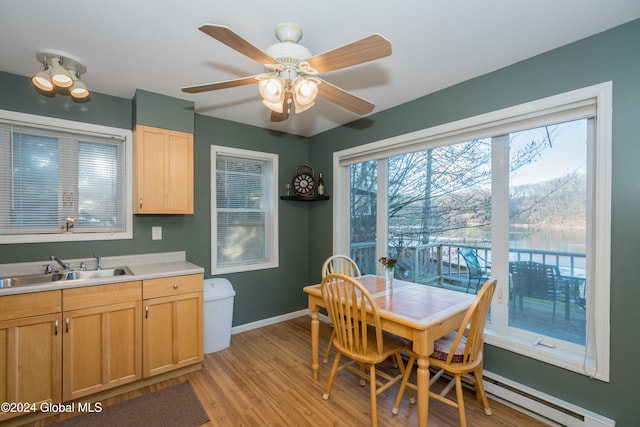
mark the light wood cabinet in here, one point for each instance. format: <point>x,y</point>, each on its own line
<point>164,171</point>
<point>102,345</point>
<point>30,349</point>
<point>173,323</point>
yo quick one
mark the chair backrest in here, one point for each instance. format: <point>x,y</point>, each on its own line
<point>340,264</point>
<point>534,279</point>
<point>354,316</point>
<point>475,318</point>
<point>473,265</point>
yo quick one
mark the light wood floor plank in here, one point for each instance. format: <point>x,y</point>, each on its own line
<point>264,379</point>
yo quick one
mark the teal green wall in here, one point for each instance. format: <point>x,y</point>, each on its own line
<point>152,109</point>
<point>613,55</point>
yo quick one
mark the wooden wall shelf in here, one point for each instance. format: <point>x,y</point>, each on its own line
<point>304,198</point>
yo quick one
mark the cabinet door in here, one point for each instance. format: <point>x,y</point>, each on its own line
<point>179,177</point>
<point>30,362</point>
<point>164,171</point>
<point>101,348</point>
<point>172,331</point>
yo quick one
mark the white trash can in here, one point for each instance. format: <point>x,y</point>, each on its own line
<point>218,314</point>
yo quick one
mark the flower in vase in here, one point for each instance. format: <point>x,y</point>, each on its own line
<point>388,263</point>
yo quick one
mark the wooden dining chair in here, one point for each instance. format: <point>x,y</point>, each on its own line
<point>339,264</point>
<point>459,354</point>
<point>359,336</point>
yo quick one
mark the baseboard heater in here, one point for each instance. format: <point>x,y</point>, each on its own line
<point>544,407</point>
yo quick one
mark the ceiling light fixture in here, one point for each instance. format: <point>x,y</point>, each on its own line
<point>60,70</point>
<point>289,84</point>
<point>291,80</point>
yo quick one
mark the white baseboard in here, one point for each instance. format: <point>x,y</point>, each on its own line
<point>269,321</point>
<point>549,409</point>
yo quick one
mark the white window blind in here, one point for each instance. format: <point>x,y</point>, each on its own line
<point>57,181</point>
<point>244,229</point>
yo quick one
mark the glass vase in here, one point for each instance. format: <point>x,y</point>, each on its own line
<point>388,276</point>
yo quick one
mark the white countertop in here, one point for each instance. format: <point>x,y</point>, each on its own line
<point>147,266</point>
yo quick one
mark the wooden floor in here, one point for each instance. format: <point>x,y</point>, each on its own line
<point>264,379</point>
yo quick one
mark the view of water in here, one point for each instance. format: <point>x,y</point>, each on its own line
<point>556,239</point>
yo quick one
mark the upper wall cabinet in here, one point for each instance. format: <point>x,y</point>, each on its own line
<point>164,171</point>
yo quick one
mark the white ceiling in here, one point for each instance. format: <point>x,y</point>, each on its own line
<point>155,45</point>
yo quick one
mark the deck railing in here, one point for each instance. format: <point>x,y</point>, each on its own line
<point>443,262</point>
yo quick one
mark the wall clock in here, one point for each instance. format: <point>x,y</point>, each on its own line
<point>303,182</point>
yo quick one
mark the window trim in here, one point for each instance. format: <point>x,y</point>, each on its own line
<point>70,126</point>
<point>594,361</point>
<point>271,222</point>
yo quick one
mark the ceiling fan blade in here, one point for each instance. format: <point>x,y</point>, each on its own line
<point>286,107</point>
<point>344,99</point>
<point>220,85</point>
<point>227,36</point>
<point>367,49</point>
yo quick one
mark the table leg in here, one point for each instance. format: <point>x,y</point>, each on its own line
<point>315,332</point>
<point>423,391</point>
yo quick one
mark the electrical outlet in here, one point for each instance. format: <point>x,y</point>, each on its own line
<point>156,233</point>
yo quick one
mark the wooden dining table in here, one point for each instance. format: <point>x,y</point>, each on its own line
<point>417,312</point>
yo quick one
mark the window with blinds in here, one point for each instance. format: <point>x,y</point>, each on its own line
<point>244,218</point>
<point>62,183</point>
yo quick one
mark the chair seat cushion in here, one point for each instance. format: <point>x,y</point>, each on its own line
<point>442,347</point>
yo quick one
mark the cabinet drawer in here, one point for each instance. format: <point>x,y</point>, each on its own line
<point>95,296</point>
<point>167,286</point>
<point>33,304</point>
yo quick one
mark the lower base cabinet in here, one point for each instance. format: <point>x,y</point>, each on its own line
<point>30,351</point>
<point>173,323</point>
<point>102,338</point>
<point>57,346</point>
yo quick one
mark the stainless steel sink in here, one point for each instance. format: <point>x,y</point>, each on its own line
<point>32,279</point>
<point>95,274</point>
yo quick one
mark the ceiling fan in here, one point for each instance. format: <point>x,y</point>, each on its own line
<point>291,72</point>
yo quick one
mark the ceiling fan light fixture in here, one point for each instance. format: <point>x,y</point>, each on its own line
<point>274,106</point>
<point>305,90</point>
<point>271,89</point>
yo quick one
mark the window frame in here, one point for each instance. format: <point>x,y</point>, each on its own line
<point>73,127</point>
<point>594,359</point>
<point>271,220</point>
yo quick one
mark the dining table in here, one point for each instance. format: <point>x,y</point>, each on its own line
<point>420,313</point>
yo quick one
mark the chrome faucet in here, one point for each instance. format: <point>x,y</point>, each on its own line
<point>98,261</point>
<point>63,264</point>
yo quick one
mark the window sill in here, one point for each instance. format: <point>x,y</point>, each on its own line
<point>569,357</point>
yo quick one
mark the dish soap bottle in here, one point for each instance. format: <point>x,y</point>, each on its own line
<point>320,185</point>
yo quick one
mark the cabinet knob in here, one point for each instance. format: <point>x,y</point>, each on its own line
<point>55,327</point>
<point>175,286</point>
<point>67,325</point>
<point>146,312</point>
<point>140,203</point>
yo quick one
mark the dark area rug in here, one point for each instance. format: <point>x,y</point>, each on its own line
<point>176,406</point>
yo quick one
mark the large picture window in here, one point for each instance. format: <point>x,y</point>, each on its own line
<point>63,181</point>
<point>521,195</point>
<point>244,210</point>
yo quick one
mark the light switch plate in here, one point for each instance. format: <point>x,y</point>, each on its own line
<point>156,233</point>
